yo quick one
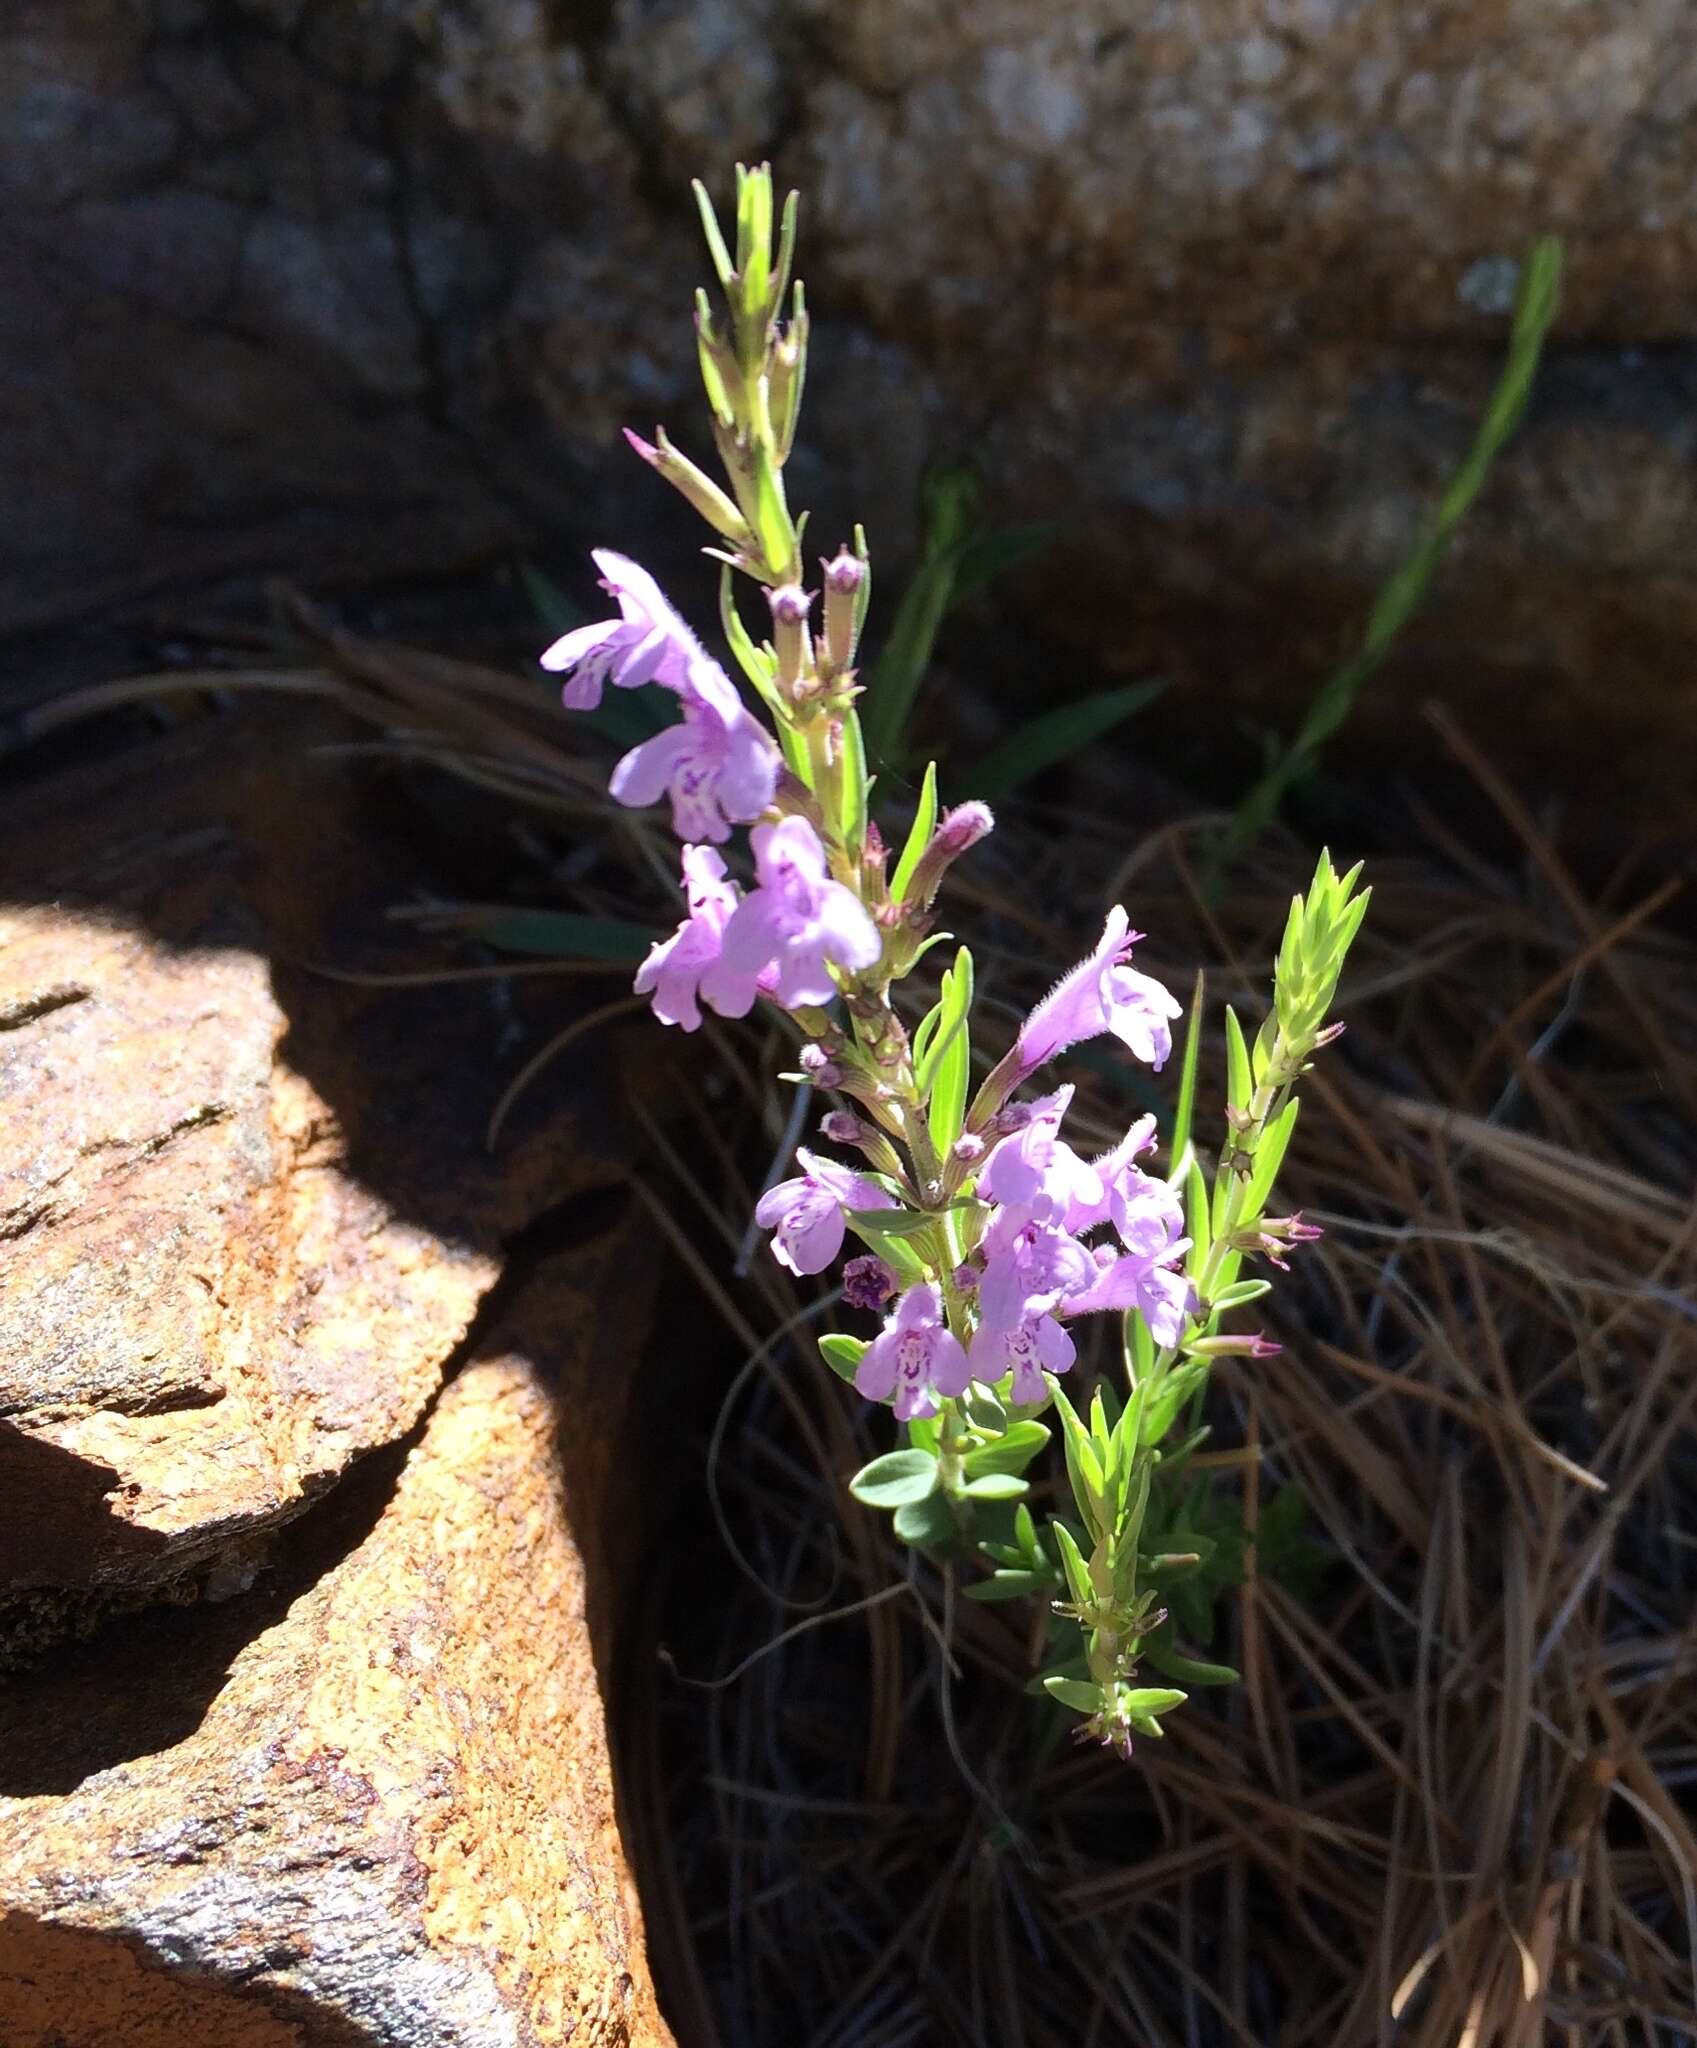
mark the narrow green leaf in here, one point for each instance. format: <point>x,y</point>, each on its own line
<point>1239,1087</point>
<point>1269,1157</point>
<point>1185,1109</point>
<point>754,238</point>
<point>896,1479</point>
<point>794,750</point>
<point>1187,1670</point>
<point>772,523</point>
<point>1241,1295</point>
<point>1140,1349</point>
<point>924,1032</point>
<point>919,835</point>
<point>786,248</point>
<point>1057,735</point>
<point>854,786</point>
<point>899,1257</point>
<point>754,663</point>
<point>1196,1217</point>
<point>892,1222</point>
<point>712,377</point>
<point>721,256</point>
<point>1084,1468</point>
<point>1012,1584</point>
<point>1175,1390</point>
<point>1072,1564</point>
<point>952,1011</point>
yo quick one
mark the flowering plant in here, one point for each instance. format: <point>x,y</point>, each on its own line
<point>987,1236</point>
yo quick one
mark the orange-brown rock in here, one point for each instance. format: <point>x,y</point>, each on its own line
<point>204,1311</point>
<point>246,1212</point>
<point>370,1802</point>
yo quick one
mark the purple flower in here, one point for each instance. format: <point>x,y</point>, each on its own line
<point>1146,1212</point>
<point>1035,1171</point>
<point>806,1214</point>
<point>716,764</point>
<point>1027,1350</point>
<point>1110,1170</point>
<point>648,643</point>
<point>1029,1266</point>
<point>1102,994</point>
<point>916,1358</point>
<point>868,1282</point>
<point>798,919</point>
<point>1161,1295</point>
<point>689,964</point>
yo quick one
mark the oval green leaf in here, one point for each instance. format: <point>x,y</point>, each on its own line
<point>896,1480</point>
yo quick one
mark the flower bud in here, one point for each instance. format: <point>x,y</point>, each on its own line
<point>1250,1345</point>
<point>1274,1236</point>
<point>957,830</point>
<point>968,1148</point>
<point>1014,1116</point>
<point>964,1279</point>
<point>819,1067</point>
<point>868,1283</point>
<point>845,575</point>
<point>843,1127</point>
<point>790,606</point>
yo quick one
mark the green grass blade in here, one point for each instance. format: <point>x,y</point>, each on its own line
<point>948,520</point>
<point>563,935</point>
<point>1056,735</point>
<point>1400,598</point>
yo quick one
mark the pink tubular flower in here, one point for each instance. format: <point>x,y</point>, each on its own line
<point>716,764</point>
<point>805,1215</point>
<point>1102,994</point>
<point>797,919</point>
<point>1161,1294</point>
<point>1110,1169</point>
<point>1029,1267</point>
<point>1028,1350</point>
<point>917,1358</point>
<point>647,643</point>
<point>688,964</point>
<point>1035,1171</point>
